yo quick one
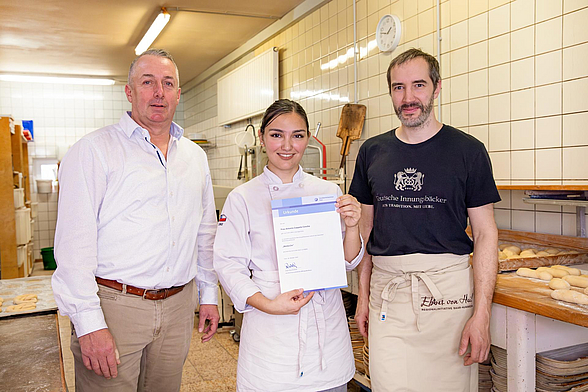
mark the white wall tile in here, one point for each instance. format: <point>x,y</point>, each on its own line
<point>499,21</point>
<point>523,220</point>
<point>499,50</point>
<point>574,27</point>
<point>478,83</point>
<point>548,67</point>
<point>523,134</point>
<point>522,104</point>
<point>548,35</point>
<point>548,132</point>
<point>521,43</point>
<point>499,79</point>
<point>522,73</point>
<point>522,13</point>
<point>504,199</point>
<point>547,9</point>
<point>500,165</point>
<point>574,129</point>
<point>480,133</point>
<point>575,95</point>
<point>548,100</point>
<point>575,60</point>
<point>478,56</point>
<point>499,108</point>
<point>459,88</point>
<point>548,163</point>
<point>459,61</point>
<point>502,218</point>
<point>499,137</point>
<point>575,163</point>
<point>548,223</point>
<point>518,203</point>
<point>478,27</point>
<point>478,111</point>
<point>523,165</point>
<point>459,114</point>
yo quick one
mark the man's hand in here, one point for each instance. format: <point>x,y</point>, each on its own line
<point>99,353</point>
<point>362,315</point>
<point>208,312</point>
<point>476,333</point>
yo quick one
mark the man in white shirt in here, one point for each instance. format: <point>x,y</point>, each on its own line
<point>133,242</point>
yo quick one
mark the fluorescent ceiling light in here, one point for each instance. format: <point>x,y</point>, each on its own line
<point>56,79</point>
<point>158,25</point>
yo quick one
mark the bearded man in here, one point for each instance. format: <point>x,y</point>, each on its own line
<point>426,310</point>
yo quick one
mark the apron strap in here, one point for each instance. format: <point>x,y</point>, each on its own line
<point>318,300</point>
<point>401,281</point>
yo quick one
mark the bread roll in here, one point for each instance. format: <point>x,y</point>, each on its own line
<point>557,273</point>
<point>559,284</point>
<point>529,273</point>
<point>527,253</point>
<point>502,256</point>
<point>514,249</point>
<point>25,298</point>
<point>571,271</point>
<point>552,250</point>
<point>21,307</point>
<point>543,253</point>
<point>570,296</point>
<point>576,281</point>
<point>533,250</point>
<point>503,246</point>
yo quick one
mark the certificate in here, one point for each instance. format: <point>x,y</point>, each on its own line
<point>309,245</point>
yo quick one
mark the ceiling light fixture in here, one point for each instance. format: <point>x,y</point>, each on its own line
<point>156,27</point>
<point>56,79</point>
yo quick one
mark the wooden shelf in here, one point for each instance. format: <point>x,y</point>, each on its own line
<point>543,187</point>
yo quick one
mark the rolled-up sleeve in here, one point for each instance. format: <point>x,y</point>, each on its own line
<point>206,277</point>
<point>82,185</point>
<point>232,252</point>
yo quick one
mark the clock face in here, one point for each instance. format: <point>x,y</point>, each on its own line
<point>388,33</point>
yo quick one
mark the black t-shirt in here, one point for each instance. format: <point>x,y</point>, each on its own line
<point>421,192</point>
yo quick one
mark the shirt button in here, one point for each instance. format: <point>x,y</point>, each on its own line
<point>276,188</point>
<point>174,243</point>
<point>173,218</point>
<point>167,269</point>
<point>171,193</point>
<point>301,185</point>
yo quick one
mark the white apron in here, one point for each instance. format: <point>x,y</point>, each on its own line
<point>310,351</point>
<point>419,304</point>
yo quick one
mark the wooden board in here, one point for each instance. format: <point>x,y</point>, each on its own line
<point>31,354</point>
<point>534,296</point>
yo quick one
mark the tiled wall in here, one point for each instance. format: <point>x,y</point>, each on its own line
<point>61,114</point>
<point>514,76</point>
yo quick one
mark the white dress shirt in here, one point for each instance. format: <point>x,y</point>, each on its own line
<point>127,214</point>
<point>307,351</point>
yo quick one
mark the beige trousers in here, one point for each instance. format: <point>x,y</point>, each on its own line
<point>152,337</point>
<point>419,305</point>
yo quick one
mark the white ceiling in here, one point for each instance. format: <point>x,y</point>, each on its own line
<point>98,37</point>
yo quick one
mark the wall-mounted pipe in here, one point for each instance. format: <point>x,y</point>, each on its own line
<point>439,38</point>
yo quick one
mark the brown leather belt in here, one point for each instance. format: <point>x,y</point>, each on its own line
<point>146,294</point>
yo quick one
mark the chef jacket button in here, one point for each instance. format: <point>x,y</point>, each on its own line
<point>276,188</point>
<point>301,185</point>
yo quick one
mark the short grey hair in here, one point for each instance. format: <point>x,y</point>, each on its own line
<point>412,54</point>
<point>154,52</point>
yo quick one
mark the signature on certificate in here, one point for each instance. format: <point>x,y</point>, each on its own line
<point>291,266</point>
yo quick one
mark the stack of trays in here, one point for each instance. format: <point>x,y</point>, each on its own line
<point>498,371</point>
<point>564,369</point>
<point>356,344</point>
<point>366,358</point>
<point>484,378</point>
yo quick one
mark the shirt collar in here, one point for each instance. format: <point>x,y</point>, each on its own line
<point>129,126</point>
<point>274,179</point>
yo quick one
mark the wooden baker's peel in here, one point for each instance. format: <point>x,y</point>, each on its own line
<point>350,127</point>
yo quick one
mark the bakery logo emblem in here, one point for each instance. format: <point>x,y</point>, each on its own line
<point>410,179</point>
<point>222,219</point>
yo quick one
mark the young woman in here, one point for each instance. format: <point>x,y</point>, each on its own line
<point>289,341</point>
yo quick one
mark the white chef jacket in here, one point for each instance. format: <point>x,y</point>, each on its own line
<point>310,351</point>
<point>128,214</point>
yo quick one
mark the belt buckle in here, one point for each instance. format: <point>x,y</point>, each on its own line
<point>166,294</point>
<point>144,294</point>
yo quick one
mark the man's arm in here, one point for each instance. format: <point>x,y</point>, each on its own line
<point>82,182</point>
<point>485,263</point>
<point>364,270</point>
<point>206,277</point>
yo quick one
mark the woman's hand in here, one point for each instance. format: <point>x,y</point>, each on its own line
<point>350,210</point>
<point>289,302</point>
